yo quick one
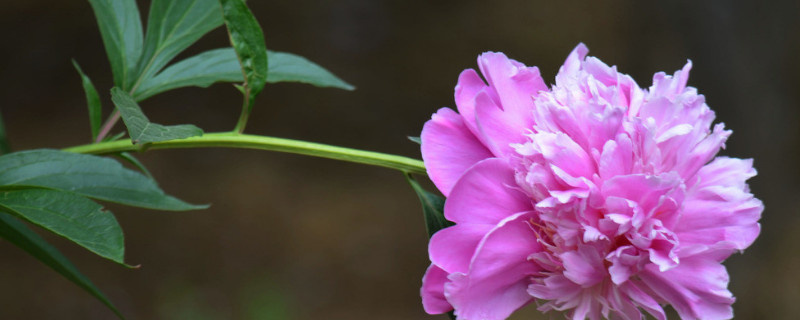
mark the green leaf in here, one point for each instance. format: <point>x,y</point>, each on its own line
<point>4,146</point>
<point>287,67</point>
<point>201,70</point>
<point>121,29</point>
<point>222,65</point>
<point>247,40</point>
<point>92,101</point>
<point>136,163</point>
<point>69,215</point>
<point>173,26</point>
<point>416,140</point>
<point>432,208</point>
<point>21,236</point>
<point>86,175</point>
<point>141,129</point>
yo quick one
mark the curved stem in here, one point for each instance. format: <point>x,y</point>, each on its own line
<point>246,141</point>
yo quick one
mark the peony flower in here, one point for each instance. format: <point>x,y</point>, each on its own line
<point>594,196</point>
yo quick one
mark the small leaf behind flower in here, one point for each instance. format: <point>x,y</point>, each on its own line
<point>432,208</point>
<point>141,129</point>
<point>21,236</point>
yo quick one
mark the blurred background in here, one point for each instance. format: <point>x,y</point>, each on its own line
<point>292,237</point>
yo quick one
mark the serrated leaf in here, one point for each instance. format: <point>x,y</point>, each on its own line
<point>86,175</point>
<point>4,145</point>
<point>92,101</point>
<point>201,70</point>
<point>247,40</point>
<point>141,129</point>
<point>287,67</point>
<point>21,236</point>
<point>121,29</point>
<point>69,215</point>
<point>222,65</point>
<point>432,208</point>
<point>173,26</point>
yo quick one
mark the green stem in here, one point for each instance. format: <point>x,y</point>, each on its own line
<point>246,108</point>
<point>246,141</point>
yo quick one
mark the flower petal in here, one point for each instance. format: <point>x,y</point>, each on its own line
<point>514,84</point>
<point>504,109</point>
<point>616,158</point>
<point>573,62</point>
<point>452,248</point>
<point>486,194</point>
<point>583,266</point>
<point>719,211</point>
<point>719,223</point>
<point>563,152</point>
<point>643,300</point>
<point>646,190</point>
<point>697,288</point>
<point>500,129</point>
<point>496,284</point>
<point>468,87</point>
<point>449,149</point>
<point>432,292</point>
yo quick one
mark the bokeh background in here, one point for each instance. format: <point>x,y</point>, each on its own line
<point>291,237</point>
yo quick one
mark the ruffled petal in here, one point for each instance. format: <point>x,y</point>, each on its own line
<point>563,152</point>
<point>583,266</point>
<point>616,158</point>
<point>515,84</point>
<point>719,211</point>
<point>496,284</point>
<point>643,300</point>
<point>573,62</point>
<point>504,109</point>
<point>449,149</point>
<point>646,190</point>
<point>697,288</point>
<point>728,172</point>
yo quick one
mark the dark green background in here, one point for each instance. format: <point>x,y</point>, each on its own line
<point>302,238</point>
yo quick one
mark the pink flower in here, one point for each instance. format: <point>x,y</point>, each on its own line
<point>594,196</point>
